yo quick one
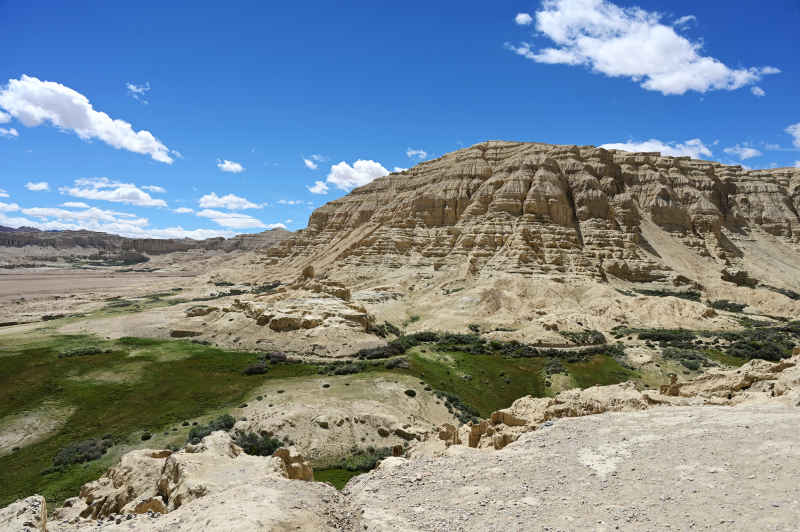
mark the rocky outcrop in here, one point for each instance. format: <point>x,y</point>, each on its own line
<point>161,481</point>
<point>128,487</point>
<point>25,515</point>
<point>306,311</point>
<point>542,209</point>
<point>755,381</point>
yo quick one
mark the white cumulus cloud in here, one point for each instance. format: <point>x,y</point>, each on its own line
<point>183,210</point>
<point>33,102</point>
<point>102,188</point>
<point>75,205</point>
<point>4,117</point>
<point>3,193</point>
<point>235,220</point>
<point>8,207</point>
<point>10,132</point>
<point>37,187</point>
<point>319,187</point>
<point>758,91</point>
<point>229,166</point>
<point>419,154</point>
<point>743,151</point>
<point>311,165</point>
<point>228,201</point>
<point>693,148</point>
<point>794,131</point>
<point>523,19</point>
<point>346,177</point>
<point>634,43</point>
<point>154,188</point>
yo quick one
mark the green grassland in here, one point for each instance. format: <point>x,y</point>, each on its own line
<point>171,381</point>
<point>120,389</point>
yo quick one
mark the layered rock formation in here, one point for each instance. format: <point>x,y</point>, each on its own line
<point>550,210</point>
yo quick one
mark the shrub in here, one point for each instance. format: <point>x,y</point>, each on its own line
<point>80,452</point>
<point>587,337</point>
<point>223,422</point>
<point>791,294</point>
<point>81,351</point>
<point>730,306</point>
<point>257,444</point>
<point>256,369</point>
<point>689,295</point>
<point>739,278</point>
<point>146,436</point>
<point>688,358</point>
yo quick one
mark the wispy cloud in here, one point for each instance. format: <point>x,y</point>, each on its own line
<point>416,153</point>
<point>138,92</point>
<point>102,188</point>
<point>743,152</point>
<point>693,148</point>
<point>794,131</point>
<point>235,220</point>
<point>9,132</point>
<point>228,201</point>
<point>38,186</point>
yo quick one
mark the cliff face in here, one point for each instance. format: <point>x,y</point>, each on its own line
<point>543,209</point>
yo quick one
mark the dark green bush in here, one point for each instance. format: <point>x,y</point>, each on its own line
<point>223,422</point>
<point>256,369</point>
<point>257,444</point>
<point>80,452</point>
<point>689,295</point>
<point>587,337</point>
<point>730,306</point>
<point>81,351</point>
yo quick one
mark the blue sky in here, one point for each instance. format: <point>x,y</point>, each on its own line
<point>198,120</point>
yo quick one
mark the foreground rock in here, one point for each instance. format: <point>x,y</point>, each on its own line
<point>667,468</point>
<point>25,515</point>
<point>209,486</point>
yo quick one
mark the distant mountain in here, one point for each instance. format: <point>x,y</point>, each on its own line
<point>104,242</point>
<point>23,229</point>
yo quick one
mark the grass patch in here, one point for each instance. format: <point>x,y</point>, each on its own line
<point>599,370</point>
<point>336,477</point>
<point>180,380</point>
<point>339,473</point>
<point>484,382</point>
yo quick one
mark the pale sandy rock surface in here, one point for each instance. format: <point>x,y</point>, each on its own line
<point>27,428</point>
<point>352,411</point>
<point>757,381</point>
<point>667,468</point>
<point>25,515</point>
